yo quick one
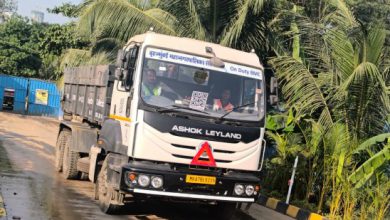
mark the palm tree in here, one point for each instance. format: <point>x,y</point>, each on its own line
<point>337,74</point>
<point>340,76</point>
<point>109,31</point>
<point>238,24</point>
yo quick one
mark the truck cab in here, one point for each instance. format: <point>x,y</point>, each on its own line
<point>185,121</point>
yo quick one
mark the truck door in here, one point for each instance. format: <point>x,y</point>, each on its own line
<point>123,94</point>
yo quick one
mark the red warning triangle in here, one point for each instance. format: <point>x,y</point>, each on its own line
<point>205,148</point>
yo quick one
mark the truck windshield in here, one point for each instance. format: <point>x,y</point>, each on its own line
<point>212,92</point>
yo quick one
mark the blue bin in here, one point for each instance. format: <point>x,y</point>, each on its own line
<point>19,85</point>
<point>43,98</point>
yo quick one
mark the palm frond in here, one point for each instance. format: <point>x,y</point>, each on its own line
<point>233,30</point>
<point>257,6</point>
<point>342,15</point>
<point>301,90</point>
<point>158,13</point>
<point>189,15</point>
<point>127,21</point>
<point>342,53</point>
<point>366,100</point>
<point>374,46</point>
<point>74,57</point>
<point>110,45</point>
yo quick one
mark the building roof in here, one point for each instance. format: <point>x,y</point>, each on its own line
<point>197,47</point>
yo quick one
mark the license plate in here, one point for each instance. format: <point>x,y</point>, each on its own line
<point>209,180</point>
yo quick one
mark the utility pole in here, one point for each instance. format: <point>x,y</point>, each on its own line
<point>291,181</point>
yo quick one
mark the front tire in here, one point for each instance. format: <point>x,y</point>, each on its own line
<point>105,193</point>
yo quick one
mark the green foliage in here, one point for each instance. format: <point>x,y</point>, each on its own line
<point>66,9</point>
<point>371,12</point>
<point>33,49</point>
<point>365,171</point>
<point>97,20</point>
<point>334,74</point>
<point>56,38</point>
<point>19,42</point>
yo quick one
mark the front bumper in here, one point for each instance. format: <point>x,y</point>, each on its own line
<point>193,196</point>
<point>176,187</point>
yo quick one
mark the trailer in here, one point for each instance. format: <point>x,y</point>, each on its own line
<point>174,119</point>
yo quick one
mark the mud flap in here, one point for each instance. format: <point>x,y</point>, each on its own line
<point>93,156</point>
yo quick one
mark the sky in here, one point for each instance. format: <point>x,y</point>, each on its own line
<point>26,6</point>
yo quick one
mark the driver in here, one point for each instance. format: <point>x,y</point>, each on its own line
<point>223,102</point>
<point>150,85</point>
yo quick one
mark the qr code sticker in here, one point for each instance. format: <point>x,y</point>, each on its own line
<point>198,100</point>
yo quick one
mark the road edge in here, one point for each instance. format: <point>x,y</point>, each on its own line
<point>3,213</point>
<point>289,210</point>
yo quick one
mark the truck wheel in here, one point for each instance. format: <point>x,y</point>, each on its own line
<point>106,193</point>
<point>69,161</point>
<point>223,210</point>
<point>60,150</point>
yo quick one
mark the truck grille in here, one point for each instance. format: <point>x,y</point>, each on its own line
<point>193,148</point>
<point>187,157</point>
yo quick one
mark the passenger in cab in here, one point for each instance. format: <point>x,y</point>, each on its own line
<point>224,102</point>
<point>150,84</point>
<point>171,71</point>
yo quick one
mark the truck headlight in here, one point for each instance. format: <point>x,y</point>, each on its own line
<point>249,189</point>
<point>238,189</point>
<point>143,180</point>
<point>157,182</point>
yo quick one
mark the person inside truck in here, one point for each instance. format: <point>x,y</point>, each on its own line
<point>150,84</point>
<point>171,71</point>
<point>224,102</point>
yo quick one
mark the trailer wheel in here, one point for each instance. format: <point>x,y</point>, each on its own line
<point>69,161</point>
<point>106,193</point>
<point>60,150</point>
<point>223,210</point>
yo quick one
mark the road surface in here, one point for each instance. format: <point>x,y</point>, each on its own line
<point>32,189</point>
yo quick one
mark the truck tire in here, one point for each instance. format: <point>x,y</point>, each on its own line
<point>223,210</point>
<point>106,193</point>
<point>60,150</point>
<point>69,161</point>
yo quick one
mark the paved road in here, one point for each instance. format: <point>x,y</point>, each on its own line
<point>33,190</point>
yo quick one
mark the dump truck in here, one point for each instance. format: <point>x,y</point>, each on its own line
<point>175,119</point>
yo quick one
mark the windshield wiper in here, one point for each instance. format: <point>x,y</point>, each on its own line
<point>235,108</point>
<point>165,110</point>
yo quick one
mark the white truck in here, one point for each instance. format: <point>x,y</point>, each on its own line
<point>175,118</point>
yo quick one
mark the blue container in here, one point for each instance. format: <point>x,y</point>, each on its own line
<point>19,85</point>
<point>43,98</point>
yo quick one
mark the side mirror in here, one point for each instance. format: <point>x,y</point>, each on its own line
<point>120,58</point>
<point>273,100</point>
<point>273,85</point>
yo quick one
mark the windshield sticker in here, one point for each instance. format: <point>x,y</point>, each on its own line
<point>198,100</point>
<point>162,68</point>
<point>201,62</point>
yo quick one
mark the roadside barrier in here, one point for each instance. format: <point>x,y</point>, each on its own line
<point>290,210</point>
